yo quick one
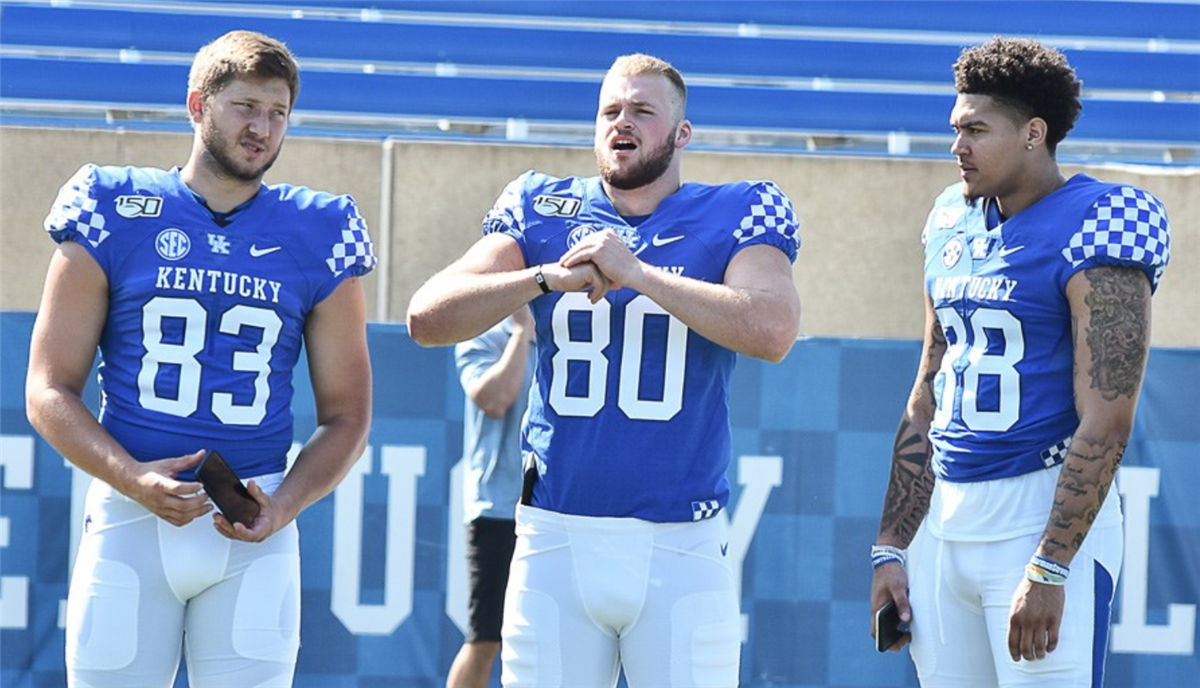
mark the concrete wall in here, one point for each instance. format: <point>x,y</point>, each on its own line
<point>859,272</point>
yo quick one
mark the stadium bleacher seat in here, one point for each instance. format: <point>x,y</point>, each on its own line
<point>840,70</point>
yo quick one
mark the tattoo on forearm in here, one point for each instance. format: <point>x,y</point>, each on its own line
<point>1118,304</point>
<point>912,478</point>
<point>910,485</point>
<point>1086,478</point>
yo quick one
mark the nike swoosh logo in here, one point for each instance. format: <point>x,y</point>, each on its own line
<point>724,548</point>
<point>1005,251</point>
<point>659,241</point>
<point>256,252</point>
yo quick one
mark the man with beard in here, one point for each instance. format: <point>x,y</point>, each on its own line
<point>643,291</point>
<point>199,285</point>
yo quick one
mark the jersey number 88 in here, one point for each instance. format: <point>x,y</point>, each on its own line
<point>970,352</point>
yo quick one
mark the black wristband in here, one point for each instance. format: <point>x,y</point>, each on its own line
<point>541,281</point>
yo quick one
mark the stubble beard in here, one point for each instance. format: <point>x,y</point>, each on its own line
<point>646,172</point>
<point>217,145</point>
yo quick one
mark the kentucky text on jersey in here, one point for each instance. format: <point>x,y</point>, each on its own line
<point>974,288</point>
<point>217,281</point>
<point>201,338</point>
<point>1005,389</point>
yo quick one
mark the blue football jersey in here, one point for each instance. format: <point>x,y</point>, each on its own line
<point>206,322</point>
<point>1005,392</point>
<point>629,414</point>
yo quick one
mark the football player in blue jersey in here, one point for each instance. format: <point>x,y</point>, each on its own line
<point>199,285</point>
<point>1037,331</point>
<point>643,291</point>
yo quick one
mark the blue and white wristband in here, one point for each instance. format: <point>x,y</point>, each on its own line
<point>882,554</point>
<point>1046,571</point>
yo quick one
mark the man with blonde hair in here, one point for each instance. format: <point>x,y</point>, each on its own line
<point>199,285</point>
<point>643,291</point>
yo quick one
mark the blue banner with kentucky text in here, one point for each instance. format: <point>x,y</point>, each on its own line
<point>384,577</point>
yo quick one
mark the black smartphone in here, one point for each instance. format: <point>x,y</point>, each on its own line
<point>227,492</point>
<point>889,630</point>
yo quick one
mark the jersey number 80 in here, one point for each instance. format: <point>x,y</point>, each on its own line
<point>591,351</point>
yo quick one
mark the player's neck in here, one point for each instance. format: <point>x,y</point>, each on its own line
<point>643,200</point>
<point>1036,186</point>
<point>221,192</point>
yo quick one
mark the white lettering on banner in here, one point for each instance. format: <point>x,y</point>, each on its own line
<point>402,465</point>
<point>1132,634</point>
<point>759,475</point>
<point>457,593</point>
<point>16,471</point>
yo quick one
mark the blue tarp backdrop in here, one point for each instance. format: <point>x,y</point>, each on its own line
<point>383,573</point>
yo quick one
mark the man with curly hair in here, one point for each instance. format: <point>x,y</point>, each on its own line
<point>1001,540</point>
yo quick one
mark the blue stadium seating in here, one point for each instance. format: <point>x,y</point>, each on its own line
<point>886,80</point>
<point>833,112</point>
<point>412,42</point>
<point>1100,18</point>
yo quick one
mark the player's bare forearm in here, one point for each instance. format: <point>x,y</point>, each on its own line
<point>322,463</point>
<point>66,333</point>
<point>339,365</point>
<point>909,487</point>
<point>454,306</point>
<point>1087,475</point>
<point>61,417</point>
<point>1110,310</point>
<point>911,483</point>
<point>474,293</point>
<point>756,311</point>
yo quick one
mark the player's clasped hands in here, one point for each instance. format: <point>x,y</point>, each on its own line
<point>176,502</point>
<point>582,272</point>
<point>611,256</point>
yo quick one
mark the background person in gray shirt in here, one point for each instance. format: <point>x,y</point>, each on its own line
<point>495,370</point>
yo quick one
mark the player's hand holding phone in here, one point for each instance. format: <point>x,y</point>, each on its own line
<point>890,611</point>
<point>224,488</point>
<point>889,629</point>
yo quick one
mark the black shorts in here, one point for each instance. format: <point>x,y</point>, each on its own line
<point>490,544</point>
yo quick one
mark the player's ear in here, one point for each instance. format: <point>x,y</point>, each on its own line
<point>1035,132</point>
<point>195,106</point>
<point>683,134</point>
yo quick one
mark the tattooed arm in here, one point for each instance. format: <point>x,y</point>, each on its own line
<point>911,480</point>
<point>1110,321</point>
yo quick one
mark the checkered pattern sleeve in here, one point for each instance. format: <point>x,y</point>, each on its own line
<point>74,215</point>
<point>507,216</point>
<point>769,219</point>
<point>1127,226</point>
<point>353,252</point>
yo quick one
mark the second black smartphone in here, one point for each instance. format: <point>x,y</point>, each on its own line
<point>889,629</point>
